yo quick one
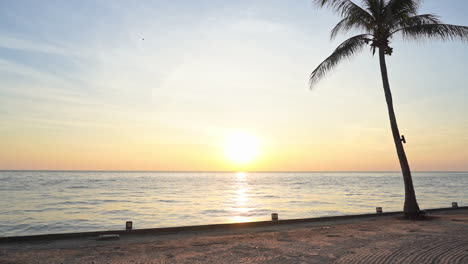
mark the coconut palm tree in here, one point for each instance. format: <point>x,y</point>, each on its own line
<point>380,21</point>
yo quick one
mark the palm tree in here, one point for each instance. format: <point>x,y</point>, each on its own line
<point>379,21</point>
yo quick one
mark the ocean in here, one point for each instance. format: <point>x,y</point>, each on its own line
<point>43,202</point>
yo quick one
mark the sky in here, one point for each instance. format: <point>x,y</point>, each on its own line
<point>163,85</point>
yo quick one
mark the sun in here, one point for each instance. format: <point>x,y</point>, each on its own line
<point>242,148</point>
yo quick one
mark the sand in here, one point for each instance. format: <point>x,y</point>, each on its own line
<point>385,239</point>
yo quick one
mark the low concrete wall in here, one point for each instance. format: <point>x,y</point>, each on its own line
<point>167,230</point>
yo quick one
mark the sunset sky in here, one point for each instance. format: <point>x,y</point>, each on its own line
<point>167,85</point>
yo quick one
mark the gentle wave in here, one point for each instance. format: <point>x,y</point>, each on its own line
<point>56,202</point>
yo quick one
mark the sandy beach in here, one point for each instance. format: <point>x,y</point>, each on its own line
<point>443,238</point>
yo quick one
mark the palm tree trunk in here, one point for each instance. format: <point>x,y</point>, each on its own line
<point>411,208</point>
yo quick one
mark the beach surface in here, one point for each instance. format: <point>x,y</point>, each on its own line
<point>442,238</point>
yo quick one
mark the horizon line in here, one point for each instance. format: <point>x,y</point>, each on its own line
<point>234,171</point>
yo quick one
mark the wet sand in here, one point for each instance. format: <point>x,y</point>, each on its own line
<point>443,238</point>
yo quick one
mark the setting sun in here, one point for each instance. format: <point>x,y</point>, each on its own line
<point>242,148</point>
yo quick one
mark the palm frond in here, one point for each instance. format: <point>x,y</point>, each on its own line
<point>354,20</point>
<point>344,8</point>
<point>344,51</point>
<point>425,19</point>
<point>398,7</point>
<point>375,8</point>
<point>397,11</point>
<point>435,31</point>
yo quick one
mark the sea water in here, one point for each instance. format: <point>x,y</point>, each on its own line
<point>42,202</point>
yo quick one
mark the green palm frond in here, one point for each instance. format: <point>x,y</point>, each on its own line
<point>344,51</point>
<point>435,31</point>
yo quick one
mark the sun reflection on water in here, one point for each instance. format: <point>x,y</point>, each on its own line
<point>240,201</point>
<point>241,175</point>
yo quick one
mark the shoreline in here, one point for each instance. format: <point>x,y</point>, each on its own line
<point>441,238</point>
<point>225,226</point>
